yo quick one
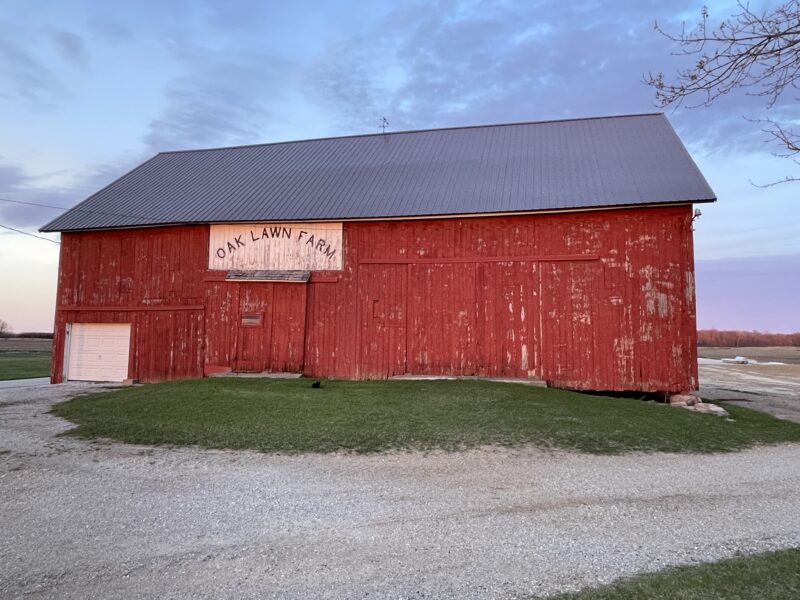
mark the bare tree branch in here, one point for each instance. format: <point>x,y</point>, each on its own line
<point>758,52</point>
<point>785,136</point>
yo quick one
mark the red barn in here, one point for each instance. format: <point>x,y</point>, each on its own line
<point>559,250</point>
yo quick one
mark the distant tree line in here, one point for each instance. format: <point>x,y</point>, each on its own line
<point>7,332</point>
<point>738,339</point>
<point>44,335</point>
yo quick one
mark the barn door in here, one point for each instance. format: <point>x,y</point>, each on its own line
<point>253,342</point>
<point>382,330</point>
<point>568,305</point>
<point>98,351</point>
<point>271,328</point>
<point>288,327</point>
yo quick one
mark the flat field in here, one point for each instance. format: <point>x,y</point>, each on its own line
<point>24,365</point>
<point>25,345</point>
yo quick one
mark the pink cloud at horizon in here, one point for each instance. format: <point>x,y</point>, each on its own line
<point>749,293</point>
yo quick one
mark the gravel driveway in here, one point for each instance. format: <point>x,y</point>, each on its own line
<point>774,389</point>
<point>99,520</point>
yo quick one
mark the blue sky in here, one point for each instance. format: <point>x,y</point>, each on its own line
<point>90,89</point>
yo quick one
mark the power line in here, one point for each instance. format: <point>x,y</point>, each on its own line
<point>39,204</point>
<point>33,204</point>
<point>76,209</point>
<point>33,235</point>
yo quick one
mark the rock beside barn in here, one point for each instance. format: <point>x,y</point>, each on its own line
<point>694,403</point>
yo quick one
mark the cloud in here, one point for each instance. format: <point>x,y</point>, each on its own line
<point>347,83</point>
<point>454,63</point>
<point>71,47</point>
<point>420,65</point>
<point>61,190</point>
<point>220,103</point>
<point>23,75</point>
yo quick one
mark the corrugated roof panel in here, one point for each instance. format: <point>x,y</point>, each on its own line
<point>551,165</point>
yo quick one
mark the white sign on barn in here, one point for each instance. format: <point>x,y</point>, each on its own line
<point>276,246</point>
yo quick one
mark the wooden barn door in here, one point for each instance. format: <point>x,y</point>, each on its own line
<point>383,291</point>
<point>253,342</point>
<point>570,328</point>
<point>288,327</point>
<point>271,329</point>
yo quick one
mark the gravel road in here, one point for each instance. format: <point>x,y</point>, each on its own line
<point>102,520</point>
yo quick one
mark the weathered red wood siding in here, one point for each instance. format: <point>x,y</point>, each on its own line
<point>591,300</point>
<point>151,278</point>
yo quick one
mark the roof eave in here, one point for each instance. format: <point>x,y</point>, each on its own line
<point>471,215</point>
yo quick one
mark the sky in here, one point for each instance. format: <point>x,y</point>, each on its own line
<point>90,89</point>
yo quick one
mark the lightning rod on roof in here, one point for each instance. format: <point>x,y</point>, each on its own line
<point>384,124</point>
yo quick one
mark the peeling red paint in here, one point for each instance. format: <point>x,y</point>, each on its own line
<point>591,300</point>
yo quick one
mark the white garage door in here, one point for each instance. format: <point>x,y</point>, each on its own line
<point>99,352</point>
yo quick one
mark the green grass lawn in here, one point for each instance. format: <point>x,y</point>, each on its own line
<point>22,365</point>
<point>370,416</point>
<point>772,576</point>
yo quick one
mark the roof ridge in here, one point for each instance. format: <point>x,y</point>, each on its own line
<point>410,131</point>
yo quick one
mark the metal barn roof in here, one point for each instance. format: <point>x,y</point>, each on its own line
<point>548,165</point>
